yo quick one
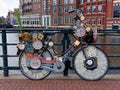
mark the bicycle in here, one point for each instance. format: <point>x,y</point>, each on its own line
<point>36,61</point>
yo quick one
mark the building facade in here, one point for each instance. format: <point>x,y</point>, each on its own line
<point>30,12</point>
<point>60,12</point>
<point>100,14</point>
<point>95,12</point>
<point>113,14</point>
<point>47,12</point>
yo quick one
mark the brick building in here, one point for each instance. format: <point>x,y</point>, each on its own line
<point>113,14</point>
<point>30,12</point>
<point>47,12</point>
<point>60,12</point>
<point>100,14</point>
<point>95,12</point>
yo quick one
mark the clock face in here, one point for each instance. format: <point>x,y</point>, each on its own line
<point>79,12</point>
<point>35,63</point>
<point>82,18</point>
<point>78,23</point>
<point>80,32</point>
<point>37,45</point>
<point>21,46</point>
<point>88,29</point>
<point>34,35</point>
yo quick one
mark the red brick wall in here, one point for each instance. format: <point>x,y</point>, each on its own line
<point>109,8</point>
<point>96,15</point>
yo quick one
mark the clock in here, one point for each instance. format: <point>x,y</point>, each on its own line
<point>37,45</point>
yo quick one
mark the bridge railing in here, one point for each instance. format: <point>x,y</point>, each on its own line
<point>62,43</point>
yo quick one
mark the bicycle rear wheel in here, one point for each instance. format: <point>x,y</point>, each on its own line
<point>90,63</point>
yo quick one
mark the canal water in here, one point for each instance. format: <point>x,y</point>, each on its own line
<point>12,50</point>
<point>111,49</point>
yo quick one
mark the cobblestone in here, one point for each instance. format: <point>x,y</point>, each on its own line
<point>58,82</point>
<point>61,84</point>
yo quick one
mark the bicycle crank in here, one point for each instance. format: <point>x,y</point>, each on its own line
<point>57,67</point>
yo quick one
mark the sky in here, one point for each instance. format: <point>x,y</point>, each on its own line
<point>8,5</point>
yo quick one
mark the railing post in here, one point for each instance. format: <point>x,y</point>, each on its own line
<point>65,41</point>
<point>65,44</point>
<point>5,59</point>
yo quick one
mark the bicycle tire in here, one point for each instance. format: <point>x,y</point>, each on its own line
<point>37,74</point>
<point>87,74</point>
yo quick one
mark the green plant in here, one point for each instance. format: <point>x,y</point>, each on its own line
<point>18,18</point>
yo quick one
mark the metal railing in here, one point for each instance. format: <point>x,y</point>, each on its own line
<point>65,42</point>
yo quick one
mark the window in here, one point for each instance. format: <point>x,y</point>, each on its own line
<point>99,8</point>
<point>36,12</point>
<point>65,1</point>
<point>88,10</point>
<point>88,0</point>
<point>71,8</point>
<point>54,2</point>
<point>94,0</point>
<point>46,20</point>
<point>55,19</point>
<point>28,22</point>
<point>35,6</point>
<point>60,9</point>
<point>71,1</point>
<point>44,4</point>
<point>81,1</point>
<point>115,26</point>
<point>60,21</point>
<point>23,22</point>
<point>59,1</point>
<point>71,19</point>
<point>88,21</point>
<point>66,9</point>
<point>66,20</point>
<point>116,12</point>
<point>93,9</point>
<point>99,20</point>
<point>93,20</point>
<point>54,9</point>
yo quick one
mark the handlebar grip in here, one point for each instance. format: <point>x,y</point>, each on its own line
<point>71,11</point>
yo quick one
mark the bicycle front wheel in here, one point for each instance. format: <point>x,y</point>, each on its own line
<point>31,72</point>
<point>90,63</point>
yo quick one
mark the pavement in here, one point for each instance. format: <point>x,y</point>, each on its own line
<point>58,82</point>
<point>53,76</point>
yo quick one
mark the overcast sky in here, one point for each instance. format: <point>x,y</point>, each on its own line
<point>8,5</point>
